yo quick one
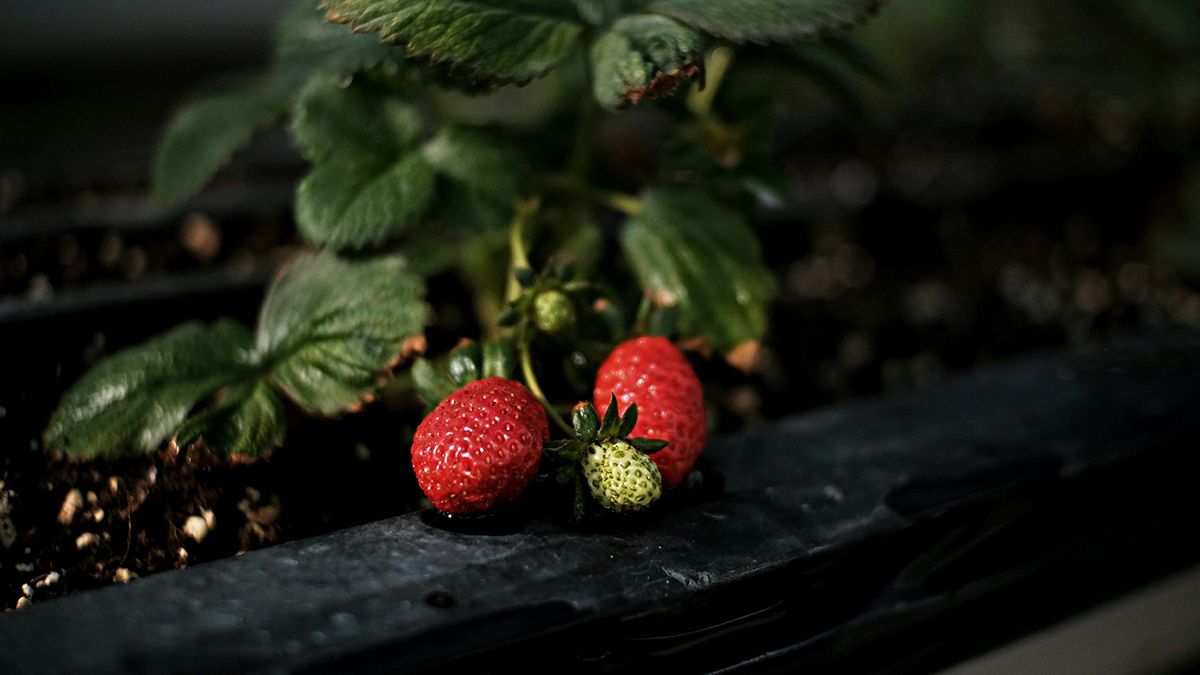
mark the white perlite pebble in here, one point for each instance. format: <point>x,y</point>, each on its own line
<point>87,540</point>
<point>123,576</point>
<point>70,506</point>
<point>196,528</point>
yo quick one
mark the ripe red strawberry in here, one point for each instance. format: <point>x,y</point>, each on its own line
<point>653,373</point>
<point>480,447</point>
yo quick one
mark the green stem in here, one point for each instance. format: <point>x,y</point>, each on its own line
<point>641,322</point>
<point>532,382</point>
<point>618,201</point>
<point>700,101</point>
<point>524,213</point>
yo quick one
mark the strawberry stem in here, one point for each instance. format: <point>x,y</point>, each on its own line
<point>524,213</point>
<point>535,388</point>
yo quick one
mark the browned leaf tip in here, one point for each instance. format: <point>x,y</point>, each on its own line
<point>664,83</point>
<point>745,356</point>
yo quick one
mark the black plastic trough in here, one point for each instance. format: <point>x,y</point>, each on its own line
<point>900,534</point>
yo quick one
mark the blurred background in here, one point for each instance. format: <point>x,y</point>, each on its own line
<point>983,179</point>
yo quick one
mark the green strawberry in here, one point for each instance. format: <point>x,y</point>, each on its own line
<point>605,463</point>
<point>620,477</point>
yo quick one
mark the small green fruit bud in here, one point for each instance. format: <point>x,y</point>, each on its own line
<point>553,312</point>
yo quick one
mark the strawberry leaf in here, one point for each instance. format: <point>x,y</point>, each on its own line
<point>480,178</point>
<point>136,398</point>
<point>306,47</point>
<point>330,329</point>
<point>689,251</point>
<point>368,182</point>
<point>203,136</point>
<point>328,118</point>
<point>352,201</point>
<point>643,55</point>
<point>492,40</point>
<point>765,20</point>
<point>249,421</point>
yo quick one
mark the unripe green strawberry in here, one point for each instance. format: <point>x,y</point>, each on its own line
<point>620,477</point>
<point>553,312</point>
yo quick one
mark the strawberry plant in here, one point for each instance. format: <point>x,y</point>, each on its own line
<point>418,168</point>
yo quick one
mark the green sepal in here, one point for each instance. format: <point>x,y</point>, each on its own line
<point>628,420</point>
<point>499,358</point>
<point>647,446</point>
<point>568,450</point>
<point>612,419</point>
<point>464,364</point>
<point>431,384</point>
<point>585,422</point>
<point>566,269</point>
<point>509,317</point>
<point>524,276</point>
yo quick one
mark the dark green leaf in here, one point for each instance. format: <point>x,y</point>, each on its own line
<point>203,136</point>
<point>498,358</point>
<point>861,58</point>
<point>249,421</point>
<point>464,364</point>
<point>584,421</point>
<point>765,20</point>
<point>648,446</point>
<point>368,182</point>
<point>331,329</point>
<point>353,200</point>
<point>306,47</point>
<point>136,398</point>
<point>643,55</point>
<point>329,118</point>
<point>483,177</point>
<point>499,40</point>
<point>690,251</point>
<point>628,420</point>
<point>432,385</point>
<point>612,419</point>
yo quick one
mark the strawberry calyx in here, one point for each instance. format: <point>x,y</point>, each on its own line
<point>590,429</point>
<point>577,460</point>
<point>466,363</point>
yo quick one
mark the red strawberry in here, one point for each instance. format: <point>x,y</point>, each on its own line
<point>480,447</point>
<point>653,373</point>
